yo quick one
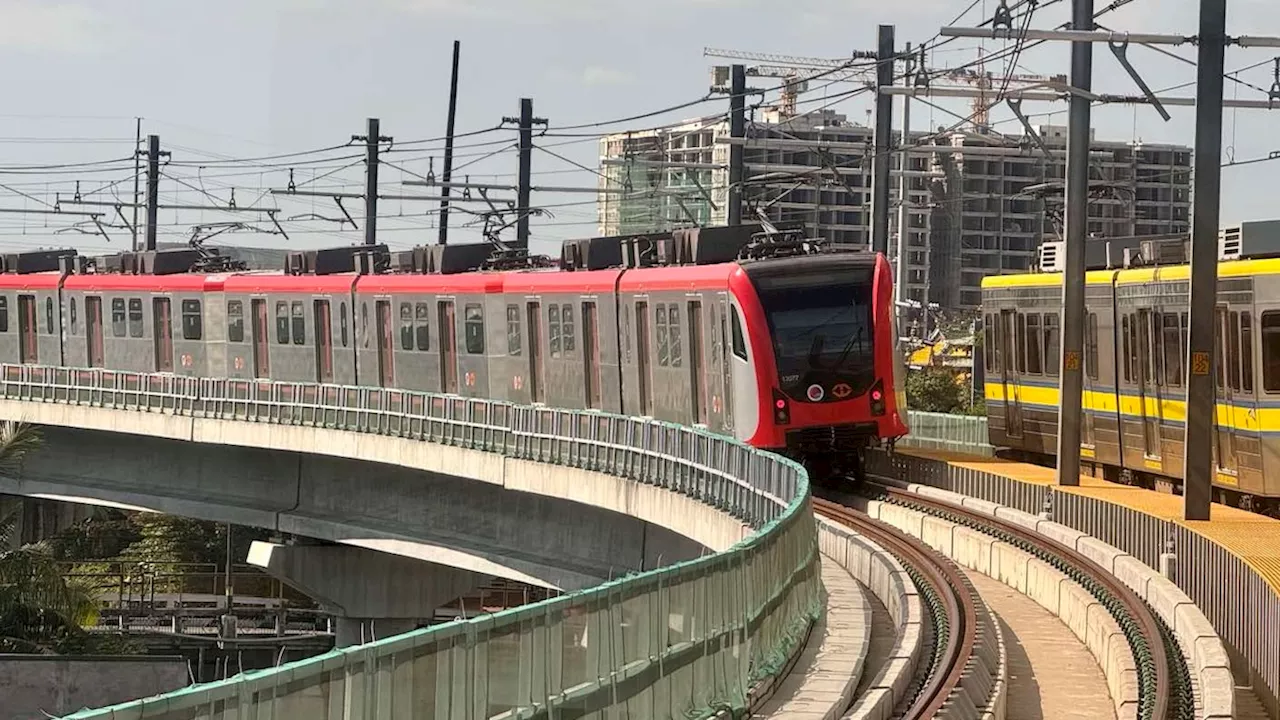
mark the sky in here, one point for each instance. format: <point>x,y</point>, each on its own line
<point>224,82</point>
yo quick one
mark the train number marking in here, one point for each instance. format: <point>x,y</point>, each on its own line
<point>1073,360</point>
<point>1200,363</point>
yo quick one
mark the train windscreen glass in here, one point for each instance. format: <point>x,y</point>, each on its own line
<point>822,329</point>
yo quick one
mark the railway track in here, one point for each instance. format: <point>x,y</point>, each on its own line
<point>1164,685</point>
<point>960,632</point>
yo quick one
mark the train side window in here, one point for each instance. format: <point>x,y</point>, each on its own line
<point>739,343</point>
<point>568,340</point>
<point>342,323</point>
<point>513,331</point>
<point>1022,342</point>
<point>1172,346</point>
<point>664,344</point>
<point>406,326</point>
<point>626,334</point>
<point>1246,350</point>
<point>553,329</point>
<point>1034,346</point>
<point>988,346</point>
<point>4,313</point>
<point>282,323</point>
<point>365,332</point>
<point>422,313</point>
<point>135,317</point>
<point>48,316</point>
<point>1270,330</point>
<point>1124,341</point>
<point>75,318</point>
<point>192,322</point>
<point>299,324</point>
<point>677,348</point>
<point>1233,351</point>
<point>1091,346</point>
<point>235,321</point>
<point>474,327</point>
<point>1052,347</point>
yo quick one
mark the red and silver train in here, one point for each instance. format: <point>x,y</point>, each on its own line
<point>795,354</point>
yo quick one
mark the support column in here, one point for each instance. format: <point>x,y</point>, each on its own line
<point>376,595</point>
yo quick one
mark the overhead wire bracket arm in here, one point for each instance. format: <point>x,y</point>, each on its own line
<point>338,200</point>
<point>276,222</point>
<point>1015,105</point>
<point>1120,50</point>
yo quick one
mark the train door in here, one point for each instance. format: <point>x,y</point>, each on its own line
<point>642,354</point>
<point>93,328</point>
<point>726,370</point>
<point>261,350</point>
<point>28,349</point>
<point>533,312</point>
<point>1087,437</point>
<point>386,349</point>
<point>162,334</point>
<point>1227,348</point>
<point>448,347</point>
<point>1146,341</point>
<point>324,342</point>
<point>1009,339</point>
<point>591,353</point>
<point>697,364</point>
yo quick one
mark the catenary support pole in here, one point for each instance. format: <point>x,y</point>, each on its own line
<point>1071,367</point>
<point>904,212</point>
<point>153,189</point>
<point>371,183</point>
<point>523,177</point>
<point>447,175</point>
<point>883,136</point>
<point>1201,415</point>
<point>737,129</point>
<point>137,177</point>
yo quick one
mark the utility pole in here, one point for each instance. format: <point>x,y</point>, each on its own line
<point>1077,230</point>
<point>904,213</point>
<point>371,144</point>
<point>737,131</point>
<point>526,122</point>
<point>448,147</point>
<point>153,190</point>
<point>883,138</point>
<point>137,177</point>
<point>1201,400</point>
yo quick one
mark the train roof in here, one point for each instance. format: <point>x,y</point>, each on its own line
<point>679,277</point>
<point>108,282</point>
<point>1127,276</point>
<point>30,281</point>
<point>471,282</point>
<point>577,281</point>
<point>264,282</point>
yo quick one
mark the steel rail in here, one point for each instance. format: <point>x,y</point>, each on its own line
<point>954,594</point>
<point>1155,686</point>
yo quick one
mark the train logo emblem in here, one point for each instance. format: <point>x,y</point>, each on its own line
<point>841,390</point>
<point>239,363</point>
<point>816,393</point>
<point>470,379</point>
<point>517,382</point>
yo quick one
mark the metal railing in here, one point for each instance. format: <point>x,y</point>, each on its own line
<point>685,640</point>
<point>943,431</point>
<point>1235,597</point>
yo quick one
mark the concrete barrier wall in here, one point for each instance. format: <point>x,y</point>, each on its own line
<point>1204,650</point>
<point>36,687</point>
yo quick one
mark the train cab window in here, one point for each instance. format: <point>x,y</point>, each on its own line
<point>664,344</point>
<point>1052,347</point>
<point>117,317</point>
<point>4,314</point>
<point>1246,350</point>
<point>235,321</point>
<point>135,317</point>
<point>342,323</point>
<point>406,326</point>
<point>568,340</point>
<point>422,312</point>
<point>1035,345</point>
<point>48,316</point>
<point>192,322</point>
<point>298,323</point>
<point>75,319</point>
<point>1270,328</point>
<point>553,329</point>
<point>474,327</point>
<point>739,343</point>
<point>673,319</point>
<point>282,323</point>
<point>513,331</point>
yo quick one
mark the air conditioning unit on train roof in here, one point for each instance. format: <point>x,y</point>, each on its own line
<point>35,261</point>
<point>1053,256</point>
<point>1165,251</point>
<point>1250,240</point>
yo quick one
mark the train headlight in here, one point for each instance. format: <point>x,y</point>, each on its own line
<point>781,409</point>
<point>877,398</point>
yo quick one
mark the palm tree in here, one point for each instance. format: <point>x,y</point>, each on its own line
<point>39,609</point>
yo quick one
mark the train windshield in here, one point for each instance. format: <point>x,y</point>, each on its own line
<point>822,330</point>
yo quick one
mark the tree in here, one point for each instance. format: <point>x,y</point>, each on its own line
<point>935,390</point>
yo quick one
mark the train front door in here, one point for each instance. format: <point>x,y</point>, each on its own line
<point>162,329</point>
<point>448,347</point>
<point>386,346</point>
<point>261,350</point>
<point>533,312</point>
<point>93,323</point>
<point>1010,338</point>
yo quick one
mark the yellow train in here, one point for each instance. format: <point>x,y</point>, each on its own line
<point>1135,350</point>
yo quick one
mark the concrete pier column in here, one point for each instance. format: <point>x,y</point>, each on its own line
<point>375,595</point>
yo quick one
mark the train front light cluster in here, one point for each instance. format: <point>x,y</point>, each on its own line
<point>877,398</point>
<point>781,408</point>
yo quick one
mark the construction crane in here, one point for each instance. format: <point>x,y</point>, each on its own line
<point>796,71</point>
